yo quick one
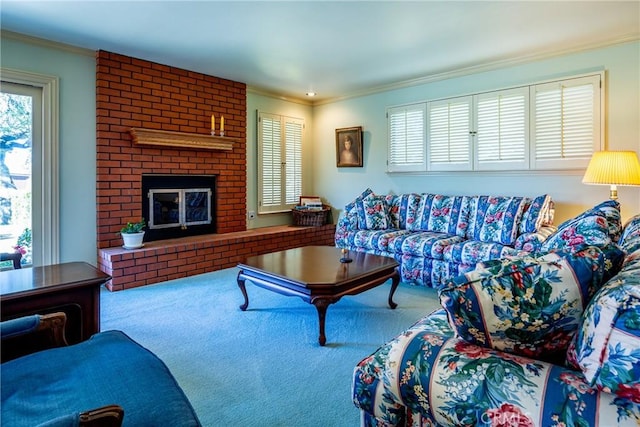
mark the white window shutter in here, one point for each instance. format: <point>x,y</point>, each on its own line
<point>279,162</point>
<point>406,138</point>
<point>293,167</point>
<point>566,126</point>
<point>270,160</point>
<point>502,130</point>
<point>449,134</point>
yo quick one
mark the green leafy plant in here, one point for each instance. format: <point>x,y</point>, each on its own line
<point>133,227</point>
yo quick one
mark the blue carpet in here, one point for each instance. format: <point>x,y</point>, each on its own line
<point>262,367</point>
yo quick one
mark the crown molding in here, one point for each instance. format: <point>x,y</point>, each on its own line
<point>480,68</point>
<point>265,92</point>
<point>430,78</point>
<point>5,34</point>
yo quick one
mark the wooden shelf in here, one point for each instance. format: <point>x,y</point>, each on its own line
<point>181,139</point>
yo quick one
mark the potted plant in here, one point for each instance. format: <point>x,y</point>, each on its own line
<point>132,234</point>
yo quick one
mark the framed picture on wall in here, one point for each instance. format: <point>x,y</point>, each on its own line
<point>349,147</point>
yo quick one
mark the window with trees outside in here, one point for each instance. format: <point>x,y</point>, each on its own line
<point>28,165</point>
<point>543,126</point>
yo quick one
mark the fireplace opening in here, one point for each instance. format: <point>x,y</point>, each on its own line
<point>178,205</point>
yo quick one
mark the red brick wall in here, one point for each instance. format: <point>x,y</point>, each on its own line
<point>175,258</point>
<point>135,93</point>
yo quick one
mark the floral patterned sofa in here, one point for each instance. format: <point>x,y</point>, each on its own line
<point>547,339</point>
<point>436,237</point>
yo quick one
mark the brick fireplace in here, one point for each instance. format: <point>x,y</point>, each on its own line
<point>132,93</point>
<point>138,94</point>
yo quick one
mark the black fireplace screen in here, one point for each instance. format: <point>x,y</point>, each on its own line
<point>178,205</point>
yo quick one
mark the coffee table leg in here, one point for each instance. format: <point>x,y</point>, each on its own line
<point>321,305</point>
<point>243,289</point>
<point>395,281</point>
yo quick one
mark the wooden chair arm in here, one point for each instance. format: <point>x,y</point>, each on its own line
<point>106,416</point>
<point>47,333</point>
<point>54,323</point>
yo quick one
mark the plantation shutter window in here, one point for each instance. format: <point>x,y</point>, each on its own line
<point>279,162</point>
<point>502,130</point>
<point>449,134</point>
<point>293,167</point>
<point>552,125</point>
<point>566,122</point>
<point>406,138</point>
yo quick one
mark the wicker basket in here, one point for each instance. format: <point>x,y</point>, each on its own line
<point>310,217</point>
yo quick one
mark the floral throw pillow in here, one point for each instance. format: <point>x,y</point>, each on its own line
<point>607,345</point>
<point>578,232</point>
<point>443,214</point>
<point>352,205</point>
<point>497,219</point>
<point>408,211</point>
<point>526,306</point>
<point>629,239</point>
<point>535,214</point>
<point>610,209</point>
<point>373,213</point>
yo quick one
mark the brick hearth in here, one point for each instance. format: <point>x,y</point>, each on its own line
<point>176,258</point>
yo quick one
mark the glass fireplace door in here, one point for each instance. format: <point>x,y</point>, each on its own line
<point>179,207</point>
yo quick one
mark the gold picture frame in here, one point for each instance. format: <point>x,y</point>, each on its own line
<point>349,147</point>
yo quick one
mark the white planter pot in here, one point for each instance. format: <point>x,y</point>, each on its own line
<point>133,240</point>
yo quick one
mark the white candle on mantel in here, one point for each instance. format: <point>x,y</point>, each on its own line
<point>221,123</point>
<point>213,122</point>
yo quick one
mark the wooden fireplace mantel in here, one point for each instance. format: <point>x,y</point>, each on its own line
<point>182,139</point>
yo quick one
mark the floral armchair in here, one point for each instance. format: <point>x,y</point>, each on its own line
<point>522,341</point>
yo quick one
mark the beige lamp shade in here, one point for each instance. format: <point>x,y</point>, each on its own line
<point>613,168</point>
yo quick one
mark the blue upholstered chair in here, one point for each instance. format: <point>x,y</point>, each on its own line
<point>108,380</point>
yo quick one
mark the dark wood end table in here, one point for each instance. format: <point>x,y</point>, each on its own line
<point>73,288</point>
<point>315,274</point>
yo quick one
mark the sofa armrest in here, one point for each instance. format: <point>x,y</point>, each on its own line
<point>346,222</point>
<point>28,334</point>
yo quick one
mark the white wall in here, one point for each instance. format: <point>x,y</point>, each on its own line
<point>77,138</point>
<point>340,185</point>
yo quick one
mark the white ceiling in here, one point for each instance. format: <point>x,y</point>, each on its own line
<point>336,48</point>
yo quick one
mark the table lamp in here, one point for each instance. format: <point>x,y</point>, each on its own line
<point>613,168</point>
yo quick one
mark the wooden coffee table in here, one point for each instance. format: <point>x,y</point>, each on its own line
<point>315,274</point>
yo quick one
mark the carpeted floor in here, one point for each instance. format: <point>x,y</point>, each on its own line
<point>262,367</point>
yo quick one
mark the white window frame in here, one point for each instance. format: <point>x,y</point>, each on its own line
<point>527,161</point>
<point>459,125</point>
<point>46,192</point>
<point>286,161</point>
<point>597,120</point>
<point>406,136</point>
<point>501,132</point>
